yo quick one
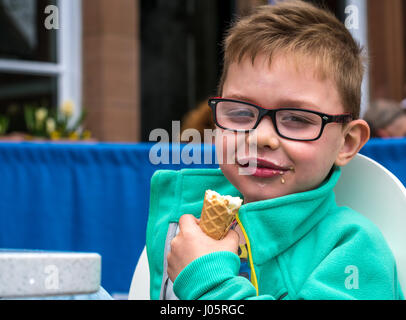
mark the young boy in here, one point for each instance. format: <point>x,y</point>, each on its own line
<point>292,73</point>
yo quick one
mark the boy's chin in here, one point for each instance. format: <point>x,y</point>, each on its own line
<point>252,188</point>
<point>259,195</point>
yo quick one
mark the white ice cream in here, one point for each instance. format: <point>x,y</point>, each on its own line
<point>233,202</point>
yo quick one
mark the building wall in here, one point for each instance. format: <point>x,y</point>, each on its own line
<point>386,23</point>
<point>111,92</point>
<point>112,70</point>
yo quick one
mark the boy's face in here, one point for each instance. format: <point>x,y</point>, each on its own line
<point>283,84</point>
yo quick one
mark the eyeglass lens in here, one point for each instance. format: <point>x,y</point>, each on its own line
<point>294,124</point>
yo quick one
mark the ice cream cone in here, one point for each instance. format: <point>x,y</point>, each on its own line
<point>218,213</point>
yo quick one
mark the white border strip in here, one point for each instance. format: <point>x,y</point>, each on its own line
<point>30,67</point>
<point>70,54</point>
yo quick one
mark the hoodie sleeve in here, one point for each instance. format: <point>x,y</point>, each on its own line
<point>215,277</point>
<point>361,266</point>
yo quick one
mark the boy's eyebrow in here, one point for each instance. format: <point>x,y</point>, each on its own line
<point>288,103</point>
<point>297,103</point>
<point>241,98</point>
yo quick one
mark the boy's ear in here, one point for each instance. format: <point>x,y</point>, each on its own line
<point>356,134</point>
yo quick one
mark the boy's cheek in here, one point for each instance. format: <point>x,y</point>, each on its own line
<point>225,144</point>
<point>231,146</point>
<point>230,171</point>
<point>310,152</point>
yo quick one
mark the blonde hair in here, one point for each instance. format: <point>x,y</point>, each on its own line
<point>306,32</point>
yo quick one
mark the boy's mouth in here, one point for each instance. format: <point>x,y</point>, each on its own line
<point>263,168</point>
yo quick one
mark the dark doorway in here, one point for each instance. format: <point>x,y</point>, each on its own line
<point>180,57</point>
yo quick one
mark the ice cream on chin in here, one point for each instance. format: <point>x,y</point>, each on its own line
<point>218,213</point>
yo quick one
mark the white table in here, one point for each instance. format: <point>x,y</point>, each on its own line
<point>31,273</point>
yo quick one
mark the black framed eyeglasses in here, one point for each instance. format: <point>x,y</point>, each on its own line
<point>290,123</point>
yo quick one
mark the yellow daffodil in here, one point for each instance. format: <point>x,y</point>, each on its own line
<point>74,136</point>
<point>50,125</point>
<point>41,114</point>
<point>55,135</point>
<point>67,108</point>
<point>86,134</point>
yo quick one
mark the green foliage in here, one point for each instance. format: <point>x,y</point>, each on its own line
<point>55,125</point>
<point>4,122</point>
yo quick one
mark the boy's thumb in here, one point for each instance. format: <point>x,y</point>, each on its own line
<point>232,238</point>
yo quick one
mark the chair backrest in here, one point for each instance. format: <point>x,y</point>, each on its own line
<point>367,187</point>
<point>139,289</point>
<point>372,190</point>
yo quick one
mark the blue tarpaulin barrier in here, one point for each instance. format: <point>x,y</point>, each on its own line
<point>391,153</point>
<point>80,197</point>
<point>95,197</point>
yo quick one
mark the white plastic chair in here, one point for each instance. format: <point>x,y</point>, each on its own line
<point>372,190</point>
<point>139,289</point>
<point>367,187</point>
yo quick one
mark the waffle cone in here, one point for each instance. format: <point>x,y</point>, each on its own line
<point>216,218</point>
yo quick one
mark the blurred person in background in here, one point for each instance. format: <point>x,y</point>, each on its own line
<point>386,119</point>
<point>199,118</point>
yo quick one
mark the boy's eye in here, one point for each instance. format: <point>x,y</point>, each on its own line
<point>293,118</point>
<point>238,115</point>
<point>298,119</point>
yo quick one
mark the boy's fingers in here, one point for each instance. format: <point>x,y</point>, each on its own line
<point>232,237</point>
<point>187,222</point>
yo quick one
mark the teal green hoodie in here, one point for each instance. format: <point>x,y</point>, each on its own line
<point>301,246</point>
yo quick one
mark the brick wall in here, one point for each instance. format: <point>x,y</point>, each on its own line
<point>111,92</point>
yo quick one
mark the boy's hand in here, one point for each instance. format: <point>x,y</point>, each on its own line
<point>192,243</point>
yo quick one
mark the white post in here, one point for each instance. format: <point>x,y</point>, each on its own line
<point>356,13</point>
<point>70,54</point>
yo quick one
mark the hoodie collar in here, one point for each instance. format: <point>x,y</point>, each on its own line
<point>274,225</point>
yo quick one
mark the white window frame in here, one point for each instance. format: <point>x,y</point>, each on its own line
<point>68,67</point>
<point>361,35</point>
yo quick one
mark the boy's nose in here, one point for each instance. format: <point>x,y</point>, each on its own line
<point>266,135</point>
